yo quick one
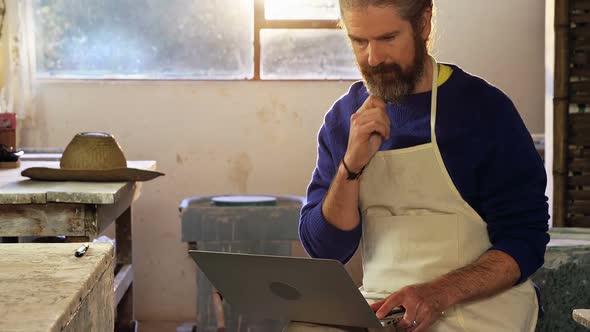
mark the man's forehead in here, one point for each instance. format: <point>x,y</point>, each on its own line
<point>372,21</point>
<point>371,10</point>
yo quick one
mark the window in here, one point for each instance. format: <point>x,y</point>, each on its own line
<point>190,39</point>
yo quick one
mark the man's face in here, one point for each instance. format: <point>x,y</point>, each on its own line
<point>390,55</point>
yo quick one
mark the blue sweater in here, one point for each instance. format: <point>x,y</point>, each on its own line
<point>486,149</point>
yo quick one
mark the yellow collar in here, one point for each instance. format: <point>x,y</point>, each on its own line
<point>444,72</point>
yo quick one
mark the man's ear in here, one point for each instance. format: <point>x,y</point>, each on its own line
<point>426,23</point>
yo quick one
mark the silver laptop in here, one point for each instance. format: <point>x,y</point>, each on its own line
<point>296,289</point>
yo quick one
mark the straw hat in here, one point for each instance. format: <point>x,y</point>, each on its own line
<point>94,157</point>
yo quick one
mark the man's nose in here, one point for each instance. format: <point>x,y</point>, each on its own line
<point>375,54</point>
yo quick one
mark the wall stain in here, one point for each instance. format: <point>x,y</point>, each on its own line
<point>266,116</point>
<point>223,92</point>
<point>211,154</point>
<point>276,123</point>
<point>179,159</point>
<point>273,113</point>
<point>240,168</point>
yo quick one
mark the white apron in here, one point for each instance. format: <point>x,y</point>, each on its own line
<point>417,227</point>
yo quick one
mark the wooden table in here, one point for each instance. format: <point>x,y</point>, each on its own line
<point>582,316</point>
<point>45,288</point>
<point>78,210</point>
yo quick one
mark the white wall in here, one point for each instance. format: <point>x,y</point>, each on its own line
<point>209,138</point>
<point>258,137</point>
<point>501,41</point>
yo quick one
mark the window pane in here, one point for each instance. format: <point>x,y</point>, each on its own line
<point>306,54</point>
<point>145,38</point>
<point>301,9</point>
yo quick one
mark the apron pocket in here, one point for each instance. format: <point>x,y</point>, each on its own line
<point>403,250</point>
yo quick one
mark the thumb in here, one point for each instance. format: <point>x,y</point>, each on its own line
<point>375,102</point>
<point>375,141</point>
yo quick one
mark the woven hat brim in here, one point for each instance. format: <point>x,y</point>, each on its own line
<point>111,175</point>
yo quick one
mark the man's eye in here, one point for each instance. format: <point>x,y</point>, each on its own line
<point>359,42</point>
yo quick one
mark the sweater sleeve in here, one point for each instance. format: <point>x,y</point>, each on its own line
<point>319,238</point>
<point>512,186</point>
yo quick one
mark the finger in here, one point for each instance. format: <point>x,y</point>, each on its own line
<point>365,116</point>
<point>361,122</point>
<point>425,318</point>
<point>387,129</point>
<point>409,329</point>
<point>423,325</point>
<point>373,127</point>
<point>409,317</point>
<point>394,300</point>
<point>411,307</point>
<point>372,102</point>
<point>375,306</point>
<point>385,119</point>
<point>420,316</point>
<point>412,319</point>
<point>372,113</point>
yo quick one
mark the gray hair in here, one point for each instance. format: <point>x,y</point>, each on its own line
<point>410,10</point>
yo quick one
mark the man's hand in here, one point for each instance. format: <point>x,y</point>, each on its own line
<point>424,304</point>
<point>369,126</point>
<point>492,273</point>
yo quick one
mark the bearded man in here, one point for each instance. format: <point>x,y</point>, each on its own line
<point>431,172</point>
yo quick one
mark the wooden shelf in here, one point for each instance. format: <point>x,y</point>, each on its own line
<point>571,166</point>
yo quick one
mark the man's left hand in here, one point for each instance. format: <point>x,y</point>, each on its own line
<point>424,304</point>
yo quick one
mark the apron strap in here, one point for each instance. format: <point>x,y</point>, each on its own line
<point>433,101</point>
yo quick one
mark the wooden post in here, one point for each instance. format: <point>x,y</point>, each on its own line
<point>560,109</point>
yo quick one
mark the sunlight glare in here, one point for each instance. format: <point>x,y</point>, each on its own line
<point>301,9</point>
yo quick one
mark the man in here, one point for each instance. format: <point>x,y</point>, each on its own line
<point>450,211</point>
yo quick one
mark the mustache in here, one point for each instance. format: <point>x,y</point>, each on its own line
<point>383,68</point>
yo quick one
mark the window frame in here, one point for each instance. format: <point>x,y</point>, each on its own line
<point>260,23</point>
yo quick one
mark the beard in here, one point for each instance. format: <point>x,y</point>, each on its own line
<point>389,81</point>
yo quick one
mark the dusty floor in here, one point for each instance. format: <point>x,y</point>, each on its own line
<point>159,326</point>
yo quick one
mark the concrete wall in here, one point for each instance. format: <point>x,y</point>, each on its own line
<point>258,137</point>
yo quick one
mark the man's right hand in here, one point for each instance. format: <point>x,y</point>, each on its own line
<point>369,126</point>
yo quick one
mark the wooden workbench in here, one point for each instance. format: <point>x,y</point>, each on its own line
<point>45,288</point>
<point>78,210</point>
